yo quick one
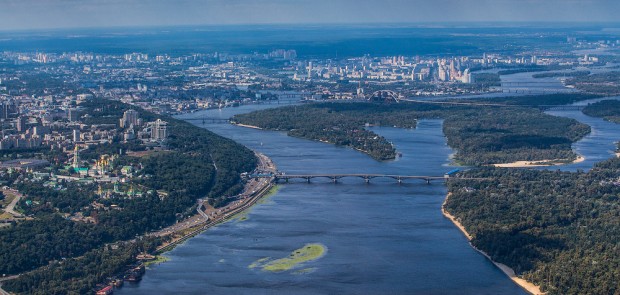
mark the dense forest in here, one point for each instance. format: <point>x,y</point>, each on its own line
<point>557,229</point>
<point>59,277</point>
<point>561,74</point>
<point>186,172</point>
<point>481,135</point>
<point>606,109</point>
<point>602,83</point>
<point>538,100</point>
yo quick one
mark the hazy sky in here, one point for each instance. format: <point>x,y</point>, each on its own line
<point>32,14</point>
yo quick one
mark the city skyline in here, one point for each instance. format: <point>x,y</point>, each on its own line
<point>52,14</point>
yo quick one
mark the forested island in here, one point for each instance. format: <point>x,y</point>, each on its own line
<point>561,74</point>
<point>481,135</point>
<point>556,229</point>
<point>606,109</point>
<point>607,83</point>
<point>70,256</point>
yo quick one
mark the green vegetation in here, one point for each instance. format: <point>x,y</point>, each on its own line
<point>77,275</point>
<point>557,229</point>
<point>488,79</point>
<point>606,109</point>
<point>158,259</point>
<point>485,136</point>
<point>531,68</point>
<point>602,84</point>
<point>538,100</point>
<point>561,74</point>
<point>340,124</point>
<point>186,173</point>
<point>481,135</point>
<point>309,252</point>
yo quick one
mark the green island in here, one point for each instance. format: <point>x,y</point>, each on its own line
<point>308,252</point>
<point>558,230</point>
<point>606,109</point>
<point>78,229</point>
<point>602,83</point>
<point>561,74</point>
<point>481,135</point>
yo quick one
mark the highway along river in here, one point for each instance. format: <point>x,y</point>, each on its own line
<point>352,238</point>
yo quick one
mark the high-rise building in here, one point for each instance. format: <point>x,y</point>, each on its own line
<point>130,117</point>
<point>466,78</point>
<point>73,115</point>
<point>8,109</point>
<point>76,135</point>
<point>159,130</point>
<point>76,157</point>
<point>21,123</point>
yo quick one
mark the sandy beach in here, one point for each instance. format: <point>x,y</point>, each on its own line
<point>528,286</point>
<point>541,163</point>
<point>248,126</point>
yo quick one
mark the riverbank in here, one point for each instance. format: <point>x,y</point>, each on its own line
<point>254,190</point>
<point>541,163</point>
<point>247,126</point>
<point>528,286</point>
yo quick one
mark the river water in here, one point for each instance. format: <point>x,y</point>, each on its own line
<point>381,238</point>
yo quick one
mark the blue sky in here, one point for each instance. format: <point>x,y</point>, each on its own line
<point>36,14</point>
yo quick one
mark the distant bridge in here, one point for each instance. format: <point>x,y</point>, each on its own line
<point>529,83</point>
<point>210,120</point>
<point>561,107</point>
<point>385,96</point>
<point>366,177</point>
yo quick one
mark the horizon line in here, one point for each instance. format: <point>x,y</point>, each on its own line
<point>421,25</point>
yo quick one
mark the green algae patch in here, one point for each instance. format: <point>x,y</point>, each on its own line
<point>258,263</point>
<point>244,215</point>
<point>158,259</point>
<point>272,191</point>
<point>307,253</point>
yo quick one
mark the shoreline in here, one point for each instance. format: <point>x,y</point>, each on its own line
<point>245,204</point>
<point>526,285</point>
<point>539,163</point>
<point>247,126</point>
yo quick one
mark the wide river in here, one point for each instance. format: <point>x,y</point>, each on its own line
<point>381,238</point>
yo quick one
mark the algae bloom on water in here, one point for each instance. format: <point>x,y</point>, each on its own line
<point>309,252</point>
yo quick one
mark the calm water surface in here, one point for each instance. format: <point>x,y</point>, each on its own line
<point>381,238</point>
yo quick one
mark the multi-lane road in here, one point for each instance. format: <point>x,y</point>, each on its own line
<point>254,190</point>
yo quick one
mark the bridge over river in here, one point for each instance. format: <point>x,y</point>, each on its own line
<point>367,177</point>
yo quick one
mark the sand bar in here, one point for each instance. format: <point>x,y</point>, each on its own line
<point>541,163</point>
<point>248,126</point>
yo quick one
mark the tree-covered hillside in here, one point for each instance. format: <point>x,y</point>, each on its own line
<point>558,229</point>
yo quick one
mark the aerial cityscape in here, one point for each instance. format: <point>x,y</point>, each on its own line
<point>211,147</point>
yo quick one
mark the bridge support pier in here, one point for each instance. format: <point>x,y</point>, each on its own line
<point>400,180</point>
<point>308,179</point>
<point>335,180</point>
<point>428,181</point>
<point>367,180</point>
